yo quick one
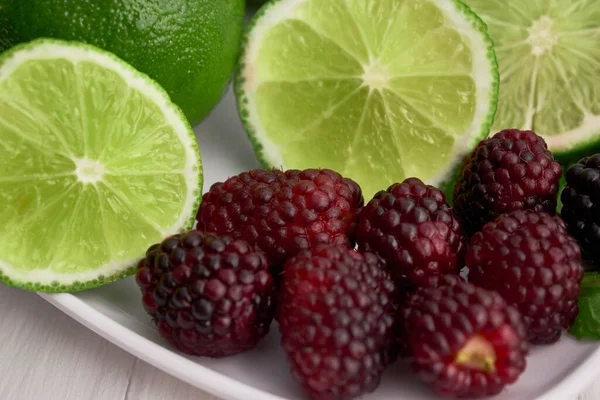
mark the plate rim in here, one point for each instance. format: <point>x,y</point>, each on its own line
<point>228,388</point>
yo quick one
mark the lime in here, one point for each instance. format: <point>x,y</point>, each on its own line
<point>549,57</point>
<point>188,46</point>
<point>378,91</point>
<point>97,164</point>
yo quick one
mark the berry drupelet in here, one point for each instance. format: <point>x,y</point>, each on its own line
<point>581,206</point>
<point>210,296</point>
<point>336,316</point>
<point>413,229</point>
<point>462,340</point>
<point>283,212</point>
<point>532,261</point>
<point>513,170</point>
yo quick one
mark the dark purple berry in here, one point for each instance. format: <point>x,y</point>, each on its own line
<point>513,170</point>
<point>210,296</point>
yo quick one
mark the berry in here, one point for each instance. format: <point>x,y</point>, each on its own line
<point>581,206</point>
<point>400,332</point>
<point>463,341</point>
<point>513,170</point>
<point>531,260</point>
<point>335,317</point>
<point>283,213</point>
<point>413,229</point>
<point>210,296</point>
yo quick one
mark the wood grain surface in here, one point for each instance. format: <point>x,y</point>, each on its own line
<point>45,355</point>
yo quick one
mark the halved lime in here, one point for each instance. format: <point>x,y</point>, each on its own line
<point>376,90</point>
<point>549,56</point>
<point>97,164</point>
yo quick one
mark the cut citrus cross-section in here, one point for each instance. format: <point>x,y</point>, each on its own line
<point>377,90</point>
<point>97,164</point>
<point>549,57</point>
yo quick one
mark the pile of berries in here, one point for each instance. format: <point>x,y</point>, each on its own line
<point>354,286</point>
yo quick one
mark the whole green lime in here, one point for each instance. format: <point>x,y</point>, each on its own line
<point>188,46</point>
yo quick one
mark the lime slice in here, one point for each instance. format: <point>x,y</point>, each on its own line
<point>549,56</point>
<point>97,164</point>
<point>376,90</point>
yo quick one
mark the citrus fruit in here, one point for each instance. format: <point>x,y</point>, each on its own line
<point>188,46</point>
<point>549,57</point>
<point>97,164</point>
<point>378,91</point>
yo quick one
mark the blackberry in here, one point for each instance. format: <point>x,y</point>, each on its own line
<point>581,206</point>
<point>413,229</point>
<point>532,261</point>
<point>462,340</point>
<point>513,170</point>
<point>209,296</point>
<point>283,212</point>
<point>335,316</point>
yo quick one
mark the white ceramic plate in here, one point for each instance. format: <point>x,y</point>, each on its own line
<point>556,372</point>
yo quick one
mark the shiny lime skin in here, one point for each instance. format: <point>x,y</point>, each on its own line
<point>188,46</point>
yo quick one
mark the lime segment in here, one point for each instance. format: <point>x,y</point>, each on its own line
<point>549,67</point>
<point>320,56</point>
<point>98,165</point>
<point>376,90</point>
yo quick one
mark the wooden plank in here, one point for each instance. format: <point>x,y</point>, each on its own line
<point>149,383</point>
<point>44,354</point>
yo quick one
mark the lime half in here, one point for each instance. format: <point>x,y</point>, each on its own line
<point>97,164</point>
<point>376,90</point>
<point>549,57</point>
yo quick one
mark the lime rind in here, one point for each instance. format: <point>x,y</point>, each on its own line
<point>47,48</point>
<point>446,183</point>
<point>239,80</point>
<point>267,155</point>
<point>576,150</point>
<point>478,24</point>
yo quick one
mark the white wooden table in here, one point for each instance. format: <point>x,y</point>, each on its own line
<point>45,355</point>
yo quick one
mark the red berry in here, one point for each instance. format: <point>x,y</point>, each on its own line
<point>413,229</point>
<point>335,318</point>
<point>513,170</point>
<point>209,296</point>
<point>531,260</point>
<point>283,213</point>
<point>463,341</point>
